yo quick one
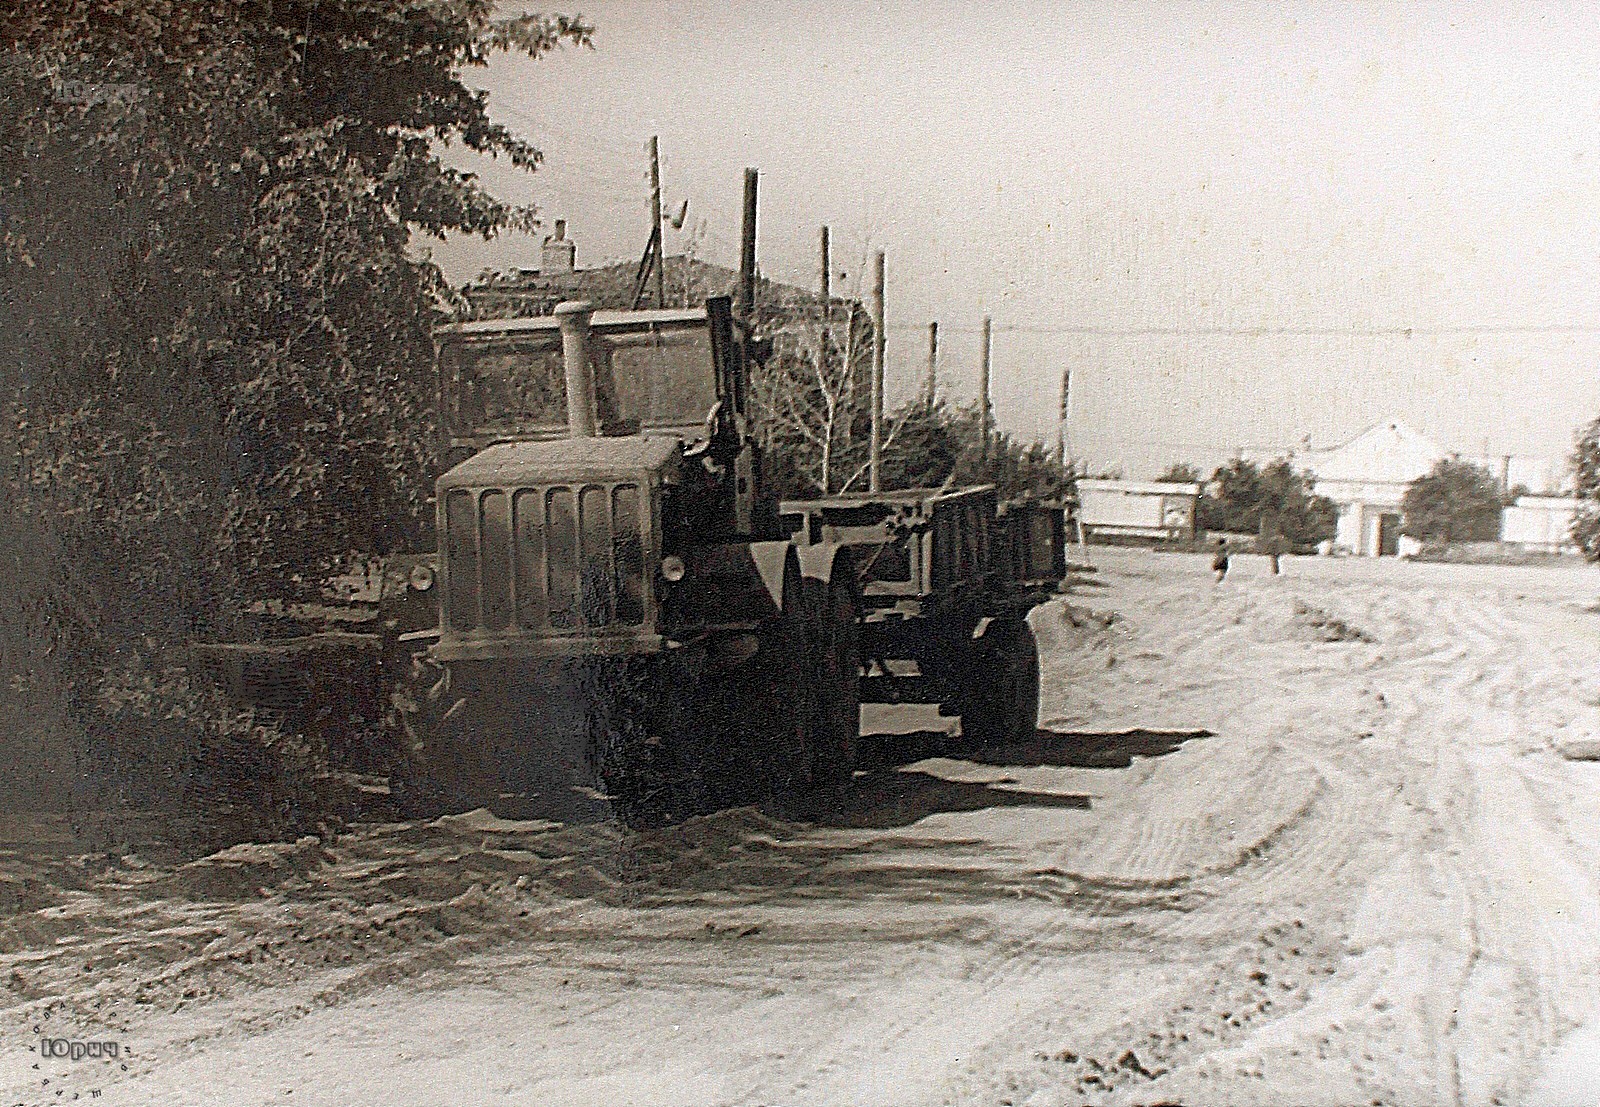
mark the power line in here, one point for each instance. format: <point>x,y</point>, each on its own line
<point>1280,331</point>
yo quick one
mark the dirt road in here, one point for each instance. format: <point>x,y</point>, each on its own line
<point>1296,839</point>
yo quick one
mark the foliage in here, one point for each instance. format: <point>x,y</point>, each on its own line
<point>1586,478</point>
<point>1274,502</point>
<point>1455,501</point>
<point>218,385</point>
<point>812,404</point>
<point>813,412</point>
<point>1014,467</point>
<point>1181,473</point>
<point>1233,501</point>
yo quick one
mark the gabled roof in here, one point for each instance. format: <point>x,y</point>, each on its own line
<point>1389,452</point>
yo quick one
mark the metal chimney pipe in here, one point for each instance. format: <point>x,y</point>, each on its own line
<point>572,316</point>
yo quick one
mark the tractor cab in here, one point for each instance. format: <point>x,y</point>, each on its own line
<point>599,451</point>
<point>675,373</point>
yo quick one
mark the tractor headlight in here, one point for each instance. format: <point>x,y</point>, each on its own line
<point>673,568</point>
<point>421,578</point>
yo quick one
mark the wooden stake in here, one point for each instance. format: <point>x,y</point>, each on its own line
<point>826,283</point>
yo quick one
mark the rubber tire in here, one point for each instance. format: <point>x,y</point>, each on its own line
<point>1001,707</point>
<point>836,665</point>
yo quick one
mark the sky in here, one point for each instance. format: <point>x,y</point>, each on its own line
<point>1239,227</point>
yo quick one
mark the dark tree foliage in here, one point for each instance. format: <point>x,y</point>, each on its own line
<point>217,379</point>
<point>1181,473</point>
<point>1586,482</point>
<point>1274,502</point>
<point>1233,501</point>
<point>1454,502</point>
<point>229,343</point>
<point>813,416</point>
<point>933,445</point>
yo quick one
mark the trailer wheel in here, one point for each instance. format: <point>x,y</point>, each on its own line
<point>836,657</point>
<point>1001,706</point>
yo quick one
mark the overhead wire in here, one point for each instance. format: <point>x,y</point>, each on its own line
<point>1445,330</point>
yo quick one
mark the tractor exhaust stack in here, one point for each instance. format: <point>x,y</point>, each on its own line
<point>572,316</point>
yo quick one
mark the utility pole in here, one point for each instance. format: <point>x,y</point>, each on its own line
<point>930,386</point>
<point>655,223</point>
<point>875,472</point>
<point>688,259</point>
<point>983,392</point>
<point>825,285</point>
<point>747,249</point>
<point>1061,426</point>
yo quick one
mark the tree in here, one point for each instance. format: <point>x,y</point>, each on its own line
<point>1181,472</point>
<point>1455,501</point>
<point>224,255</point>
<point>1233,501</point>
<point>811,403</point>
<point>1586,483</point>
<point>217,385</point>
<point>1274,502</point>
<point>1289,511</point>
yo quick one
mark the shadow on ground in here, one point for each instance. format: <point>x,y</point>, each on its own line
<point>895,797</point>
<point>1085,749</point>
<point>888,795</point>
<point>1081,749</point>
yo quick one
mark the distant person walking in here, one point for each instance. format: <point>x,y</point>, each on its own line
<point>1219,564</point>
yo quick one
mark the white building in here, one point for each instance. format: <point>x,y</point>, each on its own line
<point>1540,523</point>
<point>1137,509</point>
<point>1367,478</point>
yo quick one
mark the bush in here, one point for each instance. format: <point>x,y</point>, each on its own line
<point>1454,502</point>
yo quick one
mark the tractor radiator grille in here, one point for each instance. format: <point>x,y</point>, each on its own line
<point>556,558</point>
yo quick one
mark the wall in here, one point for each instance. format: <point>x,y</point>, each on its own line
<point>1539,522</point>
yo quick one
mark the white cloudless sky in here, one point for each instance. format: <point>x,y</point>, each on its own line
<point>1266,196</point>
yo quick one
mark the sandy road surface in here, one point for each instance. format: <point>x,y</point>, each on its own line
<point>1303,839</point>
